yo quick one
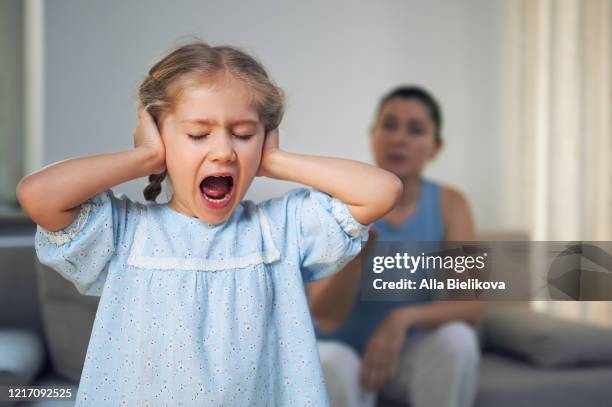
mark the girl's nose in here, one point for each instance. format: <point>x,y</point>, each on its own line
<point>222,149</point>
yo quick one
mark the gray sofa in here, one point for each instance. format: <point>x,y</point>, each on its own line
<point>531,359</point>
<point>528,359</point>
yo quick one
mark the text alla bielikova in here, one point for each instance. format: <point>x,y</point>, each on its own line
<point>411,264</point>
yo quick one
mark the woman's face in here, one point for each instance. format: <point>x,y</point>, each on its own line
<point>403,137</point>
<point>213,139</point>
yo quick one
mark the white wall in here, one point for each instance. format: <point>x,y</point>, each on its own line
<point>334,60</point>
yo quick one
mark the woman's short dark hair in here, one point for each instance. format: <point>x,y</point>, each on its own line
<point>423,96</point>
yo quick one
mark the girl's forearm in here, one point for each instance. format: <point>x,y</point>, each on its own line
<point>368,191</point>
<point>51,196</point>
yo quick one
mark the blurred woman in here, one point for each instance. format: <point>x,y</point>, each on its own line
<point>418,350</point>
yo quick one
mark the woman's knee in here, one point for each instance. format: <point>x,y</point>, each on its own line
<point>338,358</point>
<point>459,341</point>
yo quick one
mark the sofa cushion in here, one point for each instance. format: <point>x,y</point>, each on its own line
<point>68,319</point>
<point>18,294</point>
<point>21,357</point>
<point>545,340</point>
<point>508,382</point>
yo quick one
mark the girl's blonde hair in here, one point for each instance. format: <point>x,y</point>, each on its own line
<point>198,63</point>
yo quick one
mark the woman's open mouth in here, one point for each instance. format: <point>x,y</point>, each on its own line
<point>397,158</point>
<point>217,191</point>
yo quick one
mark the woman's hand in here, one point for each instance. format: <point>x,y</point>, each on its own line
<point>383,351</point>
<point>270,147</point>
<point>147,137</point>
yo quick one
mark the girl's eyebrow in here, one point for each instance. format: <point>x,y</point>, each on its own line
<point>232,123</point>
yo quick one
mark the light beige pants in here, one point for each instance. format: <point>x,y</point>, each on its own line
<point>437,368</point>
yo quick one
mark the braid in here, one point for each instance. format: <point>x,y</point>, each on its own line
<point>152,190</point>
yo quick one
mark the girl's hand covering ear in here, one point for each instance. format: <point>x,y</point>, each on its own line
<point>146,136</point>
<point>269,148</point>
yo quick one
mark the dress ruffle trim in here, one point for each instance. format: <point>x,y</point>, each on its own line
<point>65,235</point>
<point>346,220</point>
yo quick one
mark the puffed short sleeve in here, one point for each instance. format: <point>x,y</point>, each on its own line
<point>322,229</point>
<point>82,251</point>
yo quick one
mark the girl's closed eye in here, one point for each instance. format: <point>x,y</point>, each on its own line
<point>243,136</point>
<point>197,137</point>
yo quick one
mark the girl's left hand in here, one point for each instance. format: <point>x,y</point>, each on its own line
<point>383,352</point>
<point>270,147</point>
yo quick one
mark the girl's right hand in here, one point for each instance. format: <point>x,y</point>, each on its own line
<point>146,136</point>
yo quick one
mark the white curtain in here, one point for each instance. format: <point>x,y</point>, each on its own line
<point>558,126</point>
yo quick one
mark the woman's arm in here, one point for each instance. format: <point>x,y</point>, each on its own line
<point>52,195</point>
<point>383,348</point>
<point>458,220</point>
<point>460,226</point>
<point>368,191</point>
<point>331,299</point>
<point>380,361</point>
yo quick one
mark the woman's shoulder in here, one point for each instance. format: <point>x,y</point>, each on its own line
<point>457,213</point>
<point>452,198</point>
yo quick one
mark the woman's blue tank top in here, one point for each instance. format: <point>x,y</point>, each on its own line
<point>425,224</point>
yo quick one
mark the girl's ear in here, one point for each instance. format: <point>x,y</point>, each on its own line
<point>271,139</point>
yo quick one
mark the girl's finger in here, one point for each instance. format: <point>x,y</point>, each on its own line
<point>272,138</point>
<point>147,116</point>
<point>273,133</point>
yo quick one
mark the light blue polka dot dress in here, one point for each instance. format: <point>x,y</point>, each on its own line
<point>195,314</point>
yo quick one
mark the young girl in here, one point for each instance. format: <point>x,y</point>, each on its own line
<point>202,299</point>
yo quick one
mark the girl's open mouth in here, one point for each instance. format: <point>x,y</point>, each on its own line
<point>217,191</point>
